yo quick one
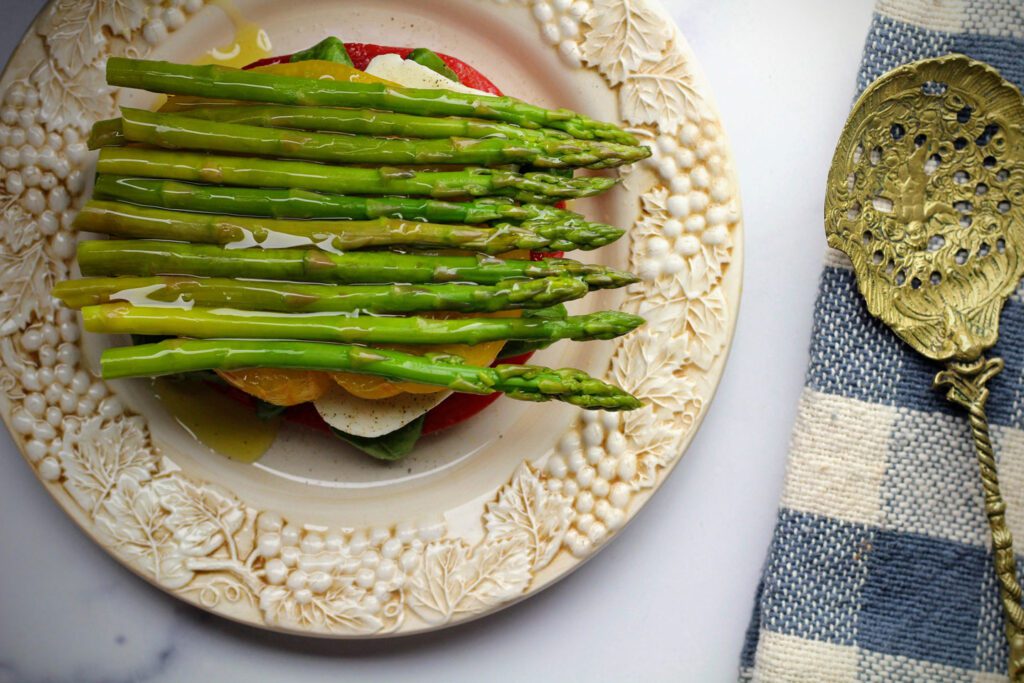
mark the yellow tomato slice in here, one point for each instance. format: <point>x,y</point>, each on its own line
<point>316,68</point>
<point>280,386</point>
<point>369,387</point>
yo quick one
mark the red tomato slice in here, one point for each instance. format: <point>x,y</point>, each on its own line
<point>455,409</point>
<point>305,415</point>
<point>266,61</point>
<point>541,255</point>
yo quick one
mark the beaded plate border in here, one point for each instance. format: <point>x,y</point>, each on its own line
<point>199,541</point>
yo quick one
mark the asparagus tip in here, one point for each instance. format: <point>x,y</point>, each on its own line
<point>611,324</point>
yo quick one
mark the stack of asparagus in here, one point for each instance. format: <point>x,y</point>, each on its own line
<point>277,221</point>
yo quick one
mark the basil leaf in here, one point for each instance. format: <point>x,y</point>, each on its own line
<point>432,61</point>
<point>329,49</point>
<point>266,410</point>
<point>391,446</point>
<point>518,348</point>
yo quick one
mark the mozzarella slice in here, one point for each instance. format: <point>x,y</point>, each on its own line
<point>412,74</point>
<point>373,418</point>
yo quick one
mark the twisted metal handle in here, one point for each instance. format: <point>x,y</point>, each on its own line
<point>965,386</point>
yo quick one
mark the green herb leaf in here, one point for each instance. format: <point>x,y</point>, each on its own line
<point>391,446</point>
<point>266,410</point>
<point>433,61</point>
<point>329,49</point>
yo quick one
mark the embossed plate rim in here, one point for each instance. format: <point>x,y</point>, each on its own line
<point>211,549</point>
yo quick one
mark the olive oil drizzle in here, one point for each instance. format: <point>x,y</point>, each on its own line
<point>219,422</point>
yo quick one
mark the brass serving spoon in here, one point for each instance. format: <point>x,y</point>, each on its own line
<point>926,197</point>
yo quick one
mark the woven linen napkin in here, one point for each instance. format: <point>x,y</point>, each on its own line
<point>879,568</point>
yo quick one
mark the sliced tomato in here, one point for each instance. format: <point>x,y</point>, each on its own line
<point>305,415</point>
<point>455,409</point>
<point>279,386</point>
<point>267,61</point>
<point>541,255</point>
<point>362,53</point>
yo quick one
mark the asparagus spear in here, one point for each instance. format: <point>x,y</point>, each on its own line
<point>173,131</point>
<point>294,297</point>
<point>128,220</point>
<point>354,121</point>
<point>252,172</point>
<point>523,382</point>
<point>146,258</point>
<point>368,122</point>
<point>106,133</point>
<point>233,84</point>
<point>124,318</point>
<point>304,204</point>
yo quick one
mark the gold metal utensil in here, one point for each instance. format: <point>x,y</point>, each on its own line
<point>926,197</point>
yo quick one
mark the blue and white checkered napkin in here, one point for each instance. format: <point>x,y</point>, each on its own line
<point>879,568</point>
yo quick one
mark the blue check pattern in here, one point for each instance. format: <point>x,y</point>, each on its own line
<point>879,568</point>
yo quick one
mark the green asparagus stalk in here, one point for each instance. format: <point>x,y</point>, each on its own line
<point>124,318</point>
<point>293,203</point>
<point>354,121</point>
<point>362,122</point>
<point>129,220</point>
<point>147,258</point>
<point>523,382</point>
<point>253,172</point>
<point>173,131</point>
<point>106,133</point>
<point>294,297</point>
<point>234,84</point>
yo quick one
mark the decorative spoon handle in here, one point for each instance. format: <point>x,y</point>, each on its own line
<point>965,386</point>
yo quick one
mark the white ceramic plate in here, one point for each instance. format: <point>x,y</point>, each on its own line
<point>316,539</point>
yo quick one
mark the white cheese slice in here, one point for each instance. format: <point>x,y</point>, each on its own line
<point>412,74</point>
<point>368,418</point>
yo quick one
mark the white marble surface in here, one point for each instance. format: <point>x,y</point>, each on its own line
<point>783,73</point>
